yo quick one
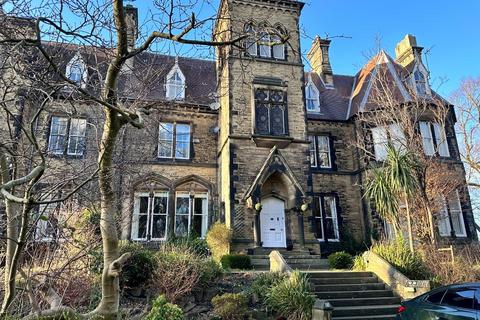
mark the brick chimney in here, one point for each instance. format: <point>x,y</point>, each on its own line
<point>131,17</point>
<point>320,60</point>
<point>407,50</point>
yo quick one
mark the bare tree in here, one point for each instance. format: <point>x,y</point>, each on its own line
<point>102,27</point>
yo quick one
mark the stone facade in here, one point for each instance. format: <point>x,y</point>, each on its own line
<point>237,161</point>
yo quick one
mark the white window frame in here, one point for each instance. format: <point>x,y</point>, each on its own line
<point>46,210</point>
<point>334,218</point>
<point>327,151</point>
<point>189,214</point>
<point>432,146</point>
<point>265,49</point>
<point>174,141</point>
<point>278,48</point>
<point>420,82</point>
<point>77,62</point>
<point>80,142</point>
<point>250,42</point>
<point>380,141</point>
<point>150,215</point>
<point>444,219</point>
<point>313,151</point>
<point>175,89</point>
<point>55,149</point>
<point>315,99</point>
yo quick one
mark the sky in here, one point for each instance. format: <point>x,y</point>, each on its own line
<point>448,30</point>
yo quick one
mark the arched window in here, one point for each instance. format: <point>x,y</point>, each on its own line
<point>312,98</point>
<point>175,85</point>
<point>251,42</point>
<point>76,70</point>
<point>420,82</point>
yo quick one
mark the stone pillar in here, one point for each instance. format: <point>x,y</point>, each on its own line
<point>301,229</point>
<point>256,228</point>
<point>322,310</point>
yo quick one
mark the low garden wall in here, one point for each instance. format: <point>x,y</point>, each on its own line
<point>399,283</point>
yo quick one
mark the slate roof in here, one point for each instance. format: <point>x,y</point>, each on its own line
<point>147,79</point>
<point>353,94</point>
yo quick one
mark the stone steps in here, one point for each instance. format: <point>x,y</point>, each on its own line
<point>355,295</point>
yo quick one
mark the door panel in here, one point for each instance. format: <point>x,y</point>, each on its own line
<point>272,221</point>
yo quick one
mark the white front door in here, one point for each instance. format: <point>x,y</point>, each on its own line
<point>272,222</point>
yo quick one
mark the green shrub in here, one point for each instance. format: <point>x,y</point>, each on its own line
<point>163,310</point>
<point>139,269</point>
<point>340,260</point>
<point>210,271</point>
<point>192,243</point>
<point>230,306</point>
<point>398,254</point>
<point>236,261</point>
<point>180,271</point>
<point>218,240</point>
<point>291,297</point>
<point>359,264</point>
<point>263,283</point>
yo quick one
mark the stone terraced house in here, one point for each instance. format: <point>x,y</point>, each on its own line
<point>252,127</point>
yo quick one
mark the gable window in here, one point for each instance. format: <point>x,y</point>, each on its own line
<point>325,218</point>
<point>312,98</point>
<point>76,71</point>
<point>191,214</point>
<point>270,112</point>
<point>150,214</point>
<point>420,82</point>
<point>175,86</point>
<point>174,140</point>
<point>383,135</point>
<point>320,152</point>
<point>434,139</point>
<point>67,135</point>
<point>451,211</point>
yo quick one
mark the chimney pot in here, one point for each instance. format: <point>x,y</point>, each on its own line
<point>319,58</point>
<point>407,50</point>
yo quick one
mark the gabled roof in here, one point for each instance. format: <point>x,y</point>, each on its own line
<point>379,73</point>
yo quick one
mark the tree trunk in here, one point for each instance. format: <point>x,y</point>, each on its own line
<point>12,235</point>
<point>409,225</point>
<point>108,306</point>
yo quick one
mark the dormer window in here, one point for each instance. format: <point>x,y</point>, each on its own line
<point>76,71</point>
<point>175,86</point>
<point>312,97</point>
<point>420,82</point>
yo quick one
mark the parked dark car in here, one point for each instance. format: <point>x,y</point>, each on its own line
<point>454,302</point>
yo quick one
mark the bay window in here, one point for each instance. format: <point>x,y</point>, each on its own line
<point>150,216</point>
<point>191,214</point>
